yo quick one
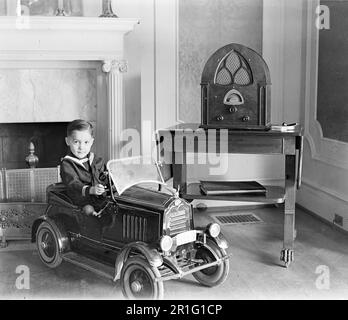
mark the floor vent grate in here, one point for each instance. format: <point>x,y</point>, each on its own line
<point>237,218</point>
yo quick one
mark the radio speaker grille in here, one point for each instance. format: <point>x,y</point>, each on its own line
<point>233,69</point>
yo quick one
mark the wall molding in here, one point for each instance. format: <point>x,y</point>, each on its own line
<point>323,149</point>
<point>75,38</point>
<point>327,191</point>
<point>44,64</point>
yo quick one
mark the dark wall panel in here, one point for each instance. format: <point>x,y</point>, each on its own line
<point>332,106</point>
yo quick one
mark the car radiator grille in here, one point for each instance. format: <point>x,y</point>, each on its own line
<point>178,223</point>
<point>134,228</point>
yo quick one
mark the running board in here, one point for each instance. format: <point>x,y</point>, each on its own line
<point>90,265</point>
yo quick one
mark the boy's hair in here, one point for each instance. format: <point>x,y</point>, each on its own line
<point>79,125</point>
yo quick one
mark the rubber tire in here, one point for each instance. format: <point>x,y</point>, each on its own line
<point>215,275</point>
<point>140,265</point>
<point>54,259</point>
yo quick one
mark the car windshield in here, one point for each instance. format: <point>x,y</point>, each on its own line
<point>132,171</point>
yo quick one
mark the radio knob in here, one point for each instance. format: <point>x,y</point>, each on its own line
<point>233,110</point>
<point>245,118</point>
<point>219,118</point>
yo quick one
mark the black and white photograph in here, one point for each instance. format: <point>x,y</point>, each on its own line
<point>188,151</point>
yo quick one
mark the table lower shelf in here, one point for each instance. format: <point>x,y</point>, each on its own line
<point>274,195</point>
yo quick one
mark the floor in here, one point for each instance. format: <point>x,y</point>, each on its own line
<point>320,269</point>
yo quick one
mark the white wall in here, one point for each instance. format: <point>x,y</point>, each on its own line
<point>283,52</point>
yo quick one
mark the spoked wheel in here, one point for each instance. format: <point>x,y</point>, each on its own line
<point>212,276</point>
<point>47,245</point>
<point>139,280</point>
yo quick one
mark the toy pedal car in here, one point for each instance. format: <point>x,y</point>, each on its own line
<point>141,237</point>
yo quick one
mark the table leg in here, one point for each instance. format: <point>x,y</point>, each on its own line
<point>299,147</point>
<point>287,253</point>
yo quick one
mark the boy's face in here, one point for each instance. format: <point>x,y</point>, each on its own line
<point>80,143</point>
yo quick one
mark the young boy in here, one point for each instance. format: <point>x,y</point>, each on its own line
<point>81,171</point>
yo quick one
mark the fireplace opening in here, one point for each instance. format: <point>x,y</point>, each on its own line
<point>48,139</point>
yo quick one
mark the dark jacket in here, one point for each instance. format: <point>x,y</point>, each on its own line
<point>79,175</point>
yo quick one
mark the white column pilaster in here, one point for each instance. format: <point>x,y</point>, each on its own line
<point>115,103</point>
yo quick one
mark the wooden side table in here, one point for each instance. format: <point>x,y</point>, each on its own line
<point>174,143</point>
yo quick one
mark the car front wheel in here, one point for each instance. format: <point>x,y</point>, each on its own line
<point>47,245</point>
<point>139,280</point>
<point>215,275</point>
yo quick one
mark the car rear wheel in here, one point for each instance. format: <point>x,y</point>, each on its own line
<point>47,245</point>
<point>215,275</point>
<point>139,280</point>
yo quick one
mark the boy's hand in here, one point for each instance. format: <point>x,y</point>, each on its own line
<point>97,189</point>
<point>96,214</point>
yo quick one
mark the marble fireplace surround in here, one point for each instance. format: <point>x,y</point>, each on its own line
<point>91,44</point>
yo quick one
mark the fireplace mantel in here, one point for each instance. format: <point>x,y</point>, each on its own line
<point>34,41</point>
<point>63,38</point>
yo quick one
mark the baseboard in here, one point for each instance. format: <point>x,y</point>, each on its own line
<point>224,209</point>
<point>325,221</point>
<point>323,203</point>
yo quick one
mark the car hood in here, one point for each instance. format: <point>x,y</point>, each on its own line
<point>145,198</point>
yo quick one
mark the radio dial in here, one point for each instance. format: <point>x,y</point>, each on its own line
<point>233,110</point>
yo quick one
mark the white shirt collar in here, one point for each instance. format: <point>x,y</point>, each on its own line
<point>81,161</point>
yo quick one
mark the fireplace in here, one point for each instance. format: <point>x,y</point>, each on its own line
<point>94,45</point>
<point>47,138</point>
<point>49,43</point>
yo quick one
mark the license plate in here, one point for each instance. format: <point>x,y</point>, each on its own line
<point>185,237</point>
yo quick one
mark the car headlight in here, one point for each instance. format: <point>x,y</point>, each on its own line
<point>166,243</point>
<point>214,229</point>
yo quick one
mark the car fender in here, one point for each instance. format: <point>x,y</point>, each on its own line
<point>216,240</point>
<point>151,255</point>
<point>58,227</point>
<point>220,240</point>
